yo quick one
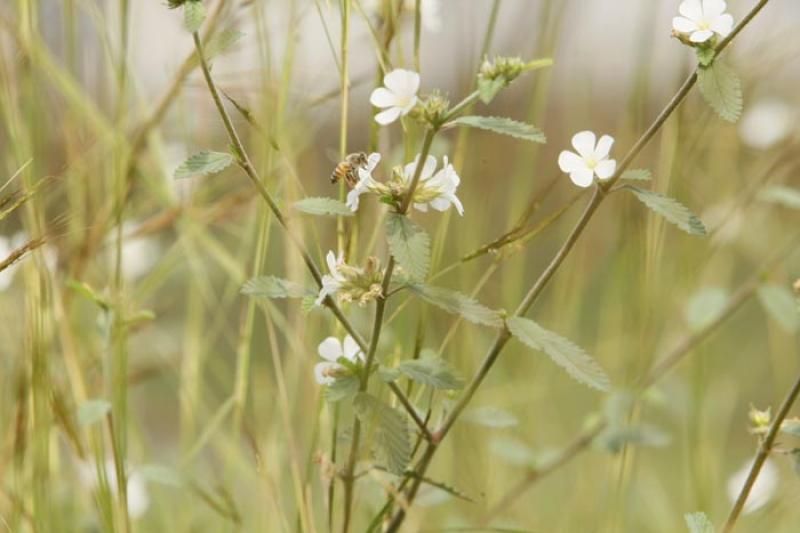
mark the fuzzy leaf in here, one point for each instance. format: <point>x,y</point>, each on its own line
<point>504,126</point>
<point>431,371</point>
<point>194,13</point>
<point>779,302</point>
<point>637,174</point>
<point>488,89</point>
<point>92,411</point>
<point>272,287</point>
<point>722,89</point>
<point>389,430</point>
<point>341,389</point>
<point>698,523</point>
<point>459,304</point>
<point>323,206</point>
<point>205,163</point>
<point>615,438</point>
<point>705,56</point>
<point>561,351</point>
<point>410,245</point>
<point>669,208</point>
<point>779,194</point>
<point>705,306</point>
<point>491,417</point>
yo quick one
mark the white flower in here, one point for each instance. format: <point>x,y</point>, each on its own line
<point>763,489</point>
<point>138,497</point>
<point>701,20</point>
<point>437,190</point>
<point>398,97</point>
<point>331,349</point>
<point>591,159</point>
<point>365,181</point>
<point>767,123</point>
<point>331,283</point>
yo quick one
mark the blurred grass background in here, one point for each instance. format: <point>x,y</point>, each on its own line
<point>221,389</point>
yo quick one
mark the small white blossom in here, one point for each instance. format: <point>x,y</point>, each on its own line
<point>365,181</point>
<point>331,349</point>
<point>590,161</point>
<point>763,489</point>
<point>701,20</point>
<point>398,97</point>
<point>436,190</point>
<point>331,283</point>
<point>138,497</point>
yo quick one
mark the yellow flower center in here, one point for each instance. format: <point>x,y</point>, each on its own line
<point>591,163</point>
<point>703,25</point>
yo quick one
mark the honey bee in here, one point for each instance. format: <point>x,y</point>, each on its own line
<point>347,170</point>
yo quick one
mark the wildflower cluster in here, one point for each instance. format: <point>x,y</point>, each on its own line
<point>349,283</point>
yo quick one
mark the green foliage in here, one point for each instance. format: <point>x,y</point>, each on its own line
<point>194,13</point>
<point>780,194</point>
<point>705,306</point>
<point>491,417</point>
<point>779,302</point>
<point>342,388</point>
<point>698,523</point>
<point>488,88</point>
<point>459,304</point>
<point>561,351</point>
<point>669,208</point>
<point>616,437</point>
<point>93,411</point>
<point>503,126</point>
<point>389,430</point>
<point>705,56</point>
<point>431,371</point>
<point>273,287</point>
<point>791,426</point>
<point>204,163</point>
<point>410,245</point>
<point>323,206</point>
<point>637,174</point>
<point>722,89</point>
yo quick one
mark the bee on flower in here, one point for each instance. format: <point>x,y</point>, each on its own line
<point>398,96</point>
<point>591,159</point>
<point>332,350</point>
<point>701,20</point>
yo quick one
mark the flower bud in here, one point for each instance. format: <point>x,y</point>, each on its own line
<point>760,419</point>
<point>434,108</point>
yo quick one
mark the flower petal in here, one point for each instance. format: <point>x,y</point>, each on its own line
<point>351,348</point>
<point>412,102</point>
<point>713,8</point>
<point>387,117</point>
<point>605,169</point>
<point>421,207</point>
<point>402,82</point>
<point>584,143</point>
<point>701,36</point>
<point>582,177</point>
<point>353,198</point>
<point>382,97</point>
<point>330,259</point>
<point>428,168</point>
<point>722,25</point>
<point>330,349</point>
<point>321,370</point>
<point>603,147</point>
<point>691,9</point>
<point>372,161</point>
<point>684,25</point>
<point>570,161</point>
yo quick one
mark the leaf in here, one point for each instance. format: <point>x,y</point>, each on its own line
<point>205,163</point>
<point>194,13</point>
<point>410,245</point>
<point>698,523</point>
<point>459,304</point>
<point>388,374</point>
<point>272,287</point>
<point>323,206</point>
<point>615,438</point>
<point>341,389</point>
<point>491,417</point>
<point>431,371</point>
<point>669,208</point>
<point>722,89</point>
<point>791,426</point>
<point>779,194</point>
<point>92,411</point>
<point>705,56</point>
<point>389,429</point>
<point>504,126</point>
<point>638,174</point>
<point>779,302</point>
<point>561,351</point>
<point>705,306</point>
<point>488,88</point>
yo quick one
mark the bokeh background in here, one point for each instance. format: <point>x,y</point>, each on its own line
<point>227,429</point>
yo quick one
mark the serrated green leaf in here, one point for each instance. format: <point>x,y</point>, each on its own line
<point>779,302</point>
<point>561,351</point>
<point>323,206</point>
<point>457,303</point>
<point>410,245</point>
<point>503,126</point>
<point>705,306</point>
<point>791,426</point>
<point>342,388</point>
<point>488,89</point>
<point>92,411</point>
<point>491,417</point>
<point>389,430</point>
<point>615,437</point>
<point>272,287</point>
<point>637,174</point>
<point>705,56</point>
<point>194,13</point>
<point>388,374</point>
<point>204,163</point>
<point>669,208</point>
<point>433,371</point>
<point>698,523</point>
<point>722,89</point>
<point>779,194</point>
<point>161,474</point>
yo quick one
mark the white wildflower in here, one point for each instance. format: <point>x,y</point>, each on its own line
<point>590,161</point>
<point>435,190</point>
<point>763,489</point>
<point>331,283</point>
<point>398,97</point>
<point>331,349</point>
<point>365,181</point>
<point>701,20</point>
